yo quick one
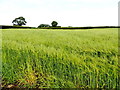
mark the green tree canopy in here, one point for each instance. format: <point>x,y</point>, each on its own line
<point>19,21</point>
<point>54,23</point>
<point>43,25</point>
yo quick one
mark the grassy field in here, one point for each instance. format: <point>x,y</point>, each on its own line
<point>60,58</point>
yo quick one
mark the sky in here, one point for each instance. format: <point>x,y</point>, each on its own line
<point>75,13</point>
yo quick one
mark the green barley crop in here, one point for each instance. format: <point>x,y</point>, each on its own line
<point>60,58</point>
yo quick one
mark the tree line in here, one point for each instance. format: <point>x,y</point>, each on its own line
<point>21,21</point>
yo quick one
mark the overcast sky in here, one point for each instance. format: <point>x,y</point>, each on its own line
<point>65,12</point>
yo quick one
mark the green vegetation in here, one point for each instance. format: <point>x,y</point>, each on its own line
<point>60,58</point>
<point>54,24</point>
<point>19,21</point>
<point>43,25</point>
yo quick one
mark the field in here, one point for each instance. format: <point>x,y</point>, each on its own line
<point>60,58</point>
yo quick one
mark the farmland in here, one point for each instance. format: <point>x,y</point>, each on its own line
<point>36,58</point>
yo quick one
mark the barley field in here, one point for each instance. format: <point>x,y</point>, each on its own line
<point>33,58</point>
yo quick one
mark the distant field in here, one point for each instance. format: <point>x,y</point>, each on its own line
<point>60,58</point>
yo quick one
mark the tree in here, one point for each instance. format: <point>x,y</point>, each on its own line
<point>19,21</point>
<point>54,23</point>
<point>43,25</point>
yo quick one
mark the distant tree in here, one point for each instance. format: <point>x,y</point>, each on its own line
<point>43,25</point>
<point>54,23</point>
<point>19,21</point>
